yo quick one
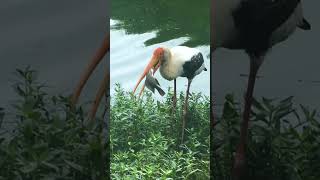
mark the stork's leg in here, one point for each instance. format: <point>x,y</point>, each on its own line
<point>174,99</point>
<point>239,165</point>
<point>185,110</point>
<point>102,90</point>
<point>142,90</point>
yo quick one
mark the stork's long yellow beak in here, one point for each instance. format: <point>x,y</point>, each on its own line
<point>154,63</point>
<point>105,47</point>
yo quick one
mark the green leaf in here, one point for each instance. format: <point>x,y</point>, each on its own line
<point>30,167</point>
<point>74,165</point>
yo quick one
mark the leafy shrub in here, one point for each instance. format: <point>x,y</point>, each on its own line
<point>283,144</point>
<point>51,140</point>
<point>145,136</point>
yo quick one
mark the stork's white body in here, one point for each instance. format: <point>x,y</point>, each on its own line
<point>225,33</point>
<point>176,57</point>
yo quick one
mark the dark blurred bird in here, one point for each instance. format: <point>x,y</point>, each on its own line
<point>152,83</point>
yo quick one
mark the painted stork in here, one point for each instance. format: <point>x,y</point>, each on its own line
<point>179,61</point>
<point>254,26</point>
<point>102,51</point>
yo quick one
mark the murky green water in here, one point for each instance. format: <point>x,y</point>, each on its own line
<point>56,39</point>
<point>138,27</point>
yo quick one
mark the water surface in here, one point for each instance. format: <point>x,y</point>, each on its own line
<point>57,38</point>
<point>139,27</point>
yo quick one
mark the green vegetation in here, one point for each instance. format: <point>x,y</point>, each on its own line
<point>145,137</point>
<point>284,141</point>
<point>51,140</point>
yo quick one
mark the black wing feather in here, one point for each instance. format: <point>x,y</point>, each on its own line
<point>190,67</point>
<point>305,25</point>
<point>257,19</point>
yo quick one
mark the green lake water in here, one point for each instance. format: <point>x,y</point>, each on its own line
<point>138,27</point>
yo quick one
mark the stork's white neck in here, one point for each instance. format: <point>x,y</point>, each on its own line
<point>167,55</point>
<point>167,64</point>
<point>172,63</point>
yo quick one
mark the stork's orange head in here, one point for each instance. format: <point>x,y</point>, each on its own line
<point>154,64</point>
<point>158,52</point>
